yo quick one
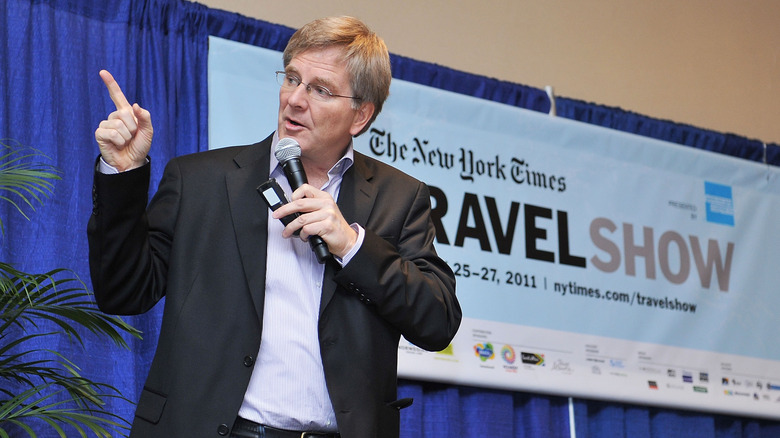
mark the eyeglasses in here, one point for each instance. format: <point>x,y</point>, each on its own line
<point>290,82</point>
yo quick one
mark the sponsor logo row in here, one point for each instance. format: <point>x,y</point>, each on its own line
<point>486,351</point>
<point>667,379</point>
<point>682,380</point>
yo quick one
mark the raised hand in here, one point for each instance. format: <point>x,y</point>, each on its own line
<point>126,136</point>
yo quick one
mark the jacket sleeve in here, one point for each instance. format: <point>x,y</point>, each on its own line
<point>127,260</point>
<point>400,273</point>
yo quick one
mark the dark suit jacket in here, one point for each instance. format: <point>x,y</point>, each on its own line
<point>201,243</point>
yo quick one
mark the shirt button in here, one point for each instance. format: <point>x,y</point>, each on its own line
<point>249,361</point>
<point>223,430</point>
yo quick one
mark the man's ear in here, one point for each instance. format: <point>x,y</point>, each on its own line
<point>362,117</point>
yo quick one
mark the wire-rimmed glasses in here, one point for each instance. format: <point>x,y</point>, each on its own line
<point>289,81</point>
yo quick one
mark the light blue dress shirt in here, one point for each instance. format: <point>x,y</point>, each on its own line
<point>287,389</point>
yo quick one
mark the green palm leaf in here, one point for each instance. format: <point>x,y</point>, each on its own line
<point>53,391</point>
<point>29,181</point>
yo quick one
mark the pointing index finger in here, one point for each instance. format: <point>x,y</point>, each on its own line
<point>114,91</point>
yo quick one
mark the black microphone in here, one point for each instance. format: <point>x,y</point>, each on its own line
<point>288,152</point>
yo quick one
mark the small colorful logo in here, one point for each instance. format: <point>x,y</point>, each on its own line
<point>449,351</point>
<point>652,384</point>
<point>508,353</point>
<point>484,351</point>
<point>719,203</point>
<point>532,358</point>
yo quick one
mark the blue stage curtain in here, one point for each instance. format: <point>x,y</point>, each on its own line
<point>53,99</point>
<point>687,135</point>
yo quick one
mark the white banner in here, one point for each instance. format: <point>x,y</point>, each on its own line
<point>590,262</point>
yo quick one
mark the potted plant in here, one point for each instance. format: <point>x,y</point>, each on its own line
<point>49,391</point>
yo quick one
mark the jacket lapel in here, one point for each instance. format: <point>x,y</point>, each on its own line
<point>250,215</point>
<point>356,200</point>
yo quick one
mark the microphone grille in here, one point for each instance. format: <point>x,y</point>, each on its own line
<point>287,149</point>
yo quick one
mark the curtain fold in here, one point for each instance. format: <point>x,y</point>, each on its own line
<point>627,121</point>
<point>50,55</point>
<point>445,78</point>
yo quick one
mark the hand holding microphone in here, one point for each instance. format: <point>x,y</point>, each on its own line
<point>324,220</point>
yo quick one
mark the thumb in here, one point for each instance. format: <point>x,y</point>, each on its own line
<point>143,118</point>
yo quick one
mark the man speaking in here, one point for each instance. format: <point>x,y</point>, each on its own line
<point>259,336</point>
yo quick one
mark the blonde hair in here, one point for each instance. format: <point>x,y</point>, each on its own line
<point>366,55</point>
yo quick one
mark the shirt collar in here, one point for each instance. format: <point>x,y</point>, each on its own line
<point>337,171</point>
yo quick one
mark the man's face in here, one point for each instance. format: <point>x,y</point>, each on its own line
<point>323,129</point>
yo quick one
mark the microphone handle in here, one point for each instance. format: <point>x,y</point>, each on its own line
<point>320,248</point>
<point>296,176</point>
